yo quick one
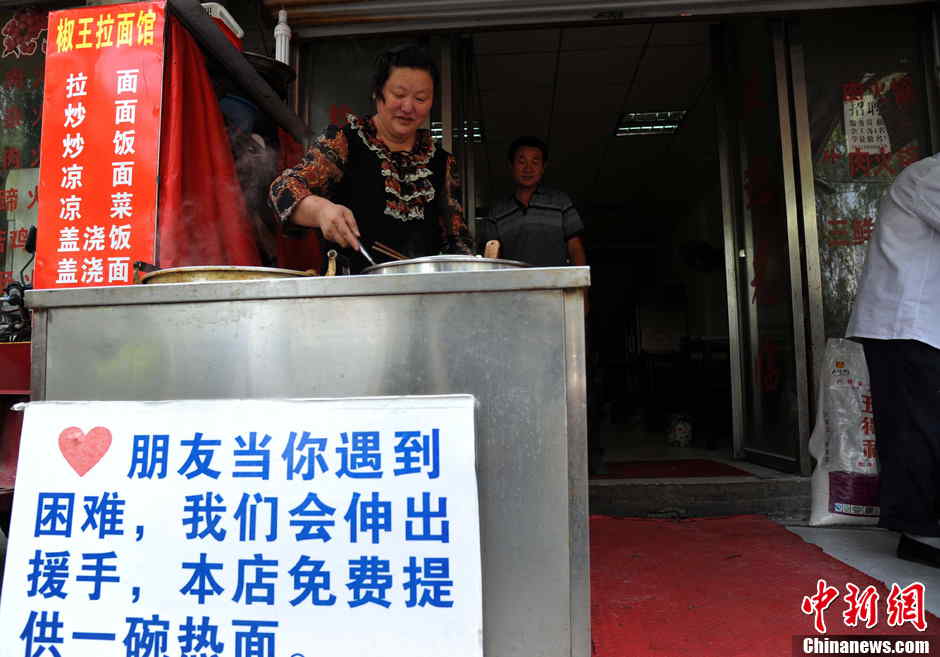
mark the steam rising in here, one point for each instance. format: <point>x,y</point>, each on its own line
<point>256,165</point>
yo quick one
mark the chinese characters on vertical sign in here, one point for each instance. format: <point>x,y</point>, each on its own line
<point>100,144</point>
<point>857,394</point>
<point>245,529</point>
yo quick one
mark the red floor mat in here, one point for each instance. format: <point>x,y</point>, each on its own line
<point>677,468</point>
<point>717,587</point>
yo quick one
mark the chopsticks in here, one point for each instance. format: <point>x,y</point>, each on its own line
<point>389,251</point>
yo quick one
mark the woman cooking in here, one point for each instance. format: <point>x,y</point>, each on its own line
<point>380,180</point>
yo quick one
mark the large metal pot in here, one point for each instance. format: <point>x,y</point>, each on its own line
<point>441,263</point>
<point>219,273</point>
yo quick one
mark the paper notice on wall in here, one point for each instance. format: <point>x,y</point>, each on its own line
<point>865,129</point>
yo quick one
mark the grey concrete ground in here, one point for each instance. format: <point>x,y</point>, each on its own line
<point>3,553</point>
<point>782,497</point>
<point>872,551</point>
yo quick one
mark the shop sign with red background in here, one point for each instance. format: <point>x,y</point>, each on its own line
<point>100,144</point>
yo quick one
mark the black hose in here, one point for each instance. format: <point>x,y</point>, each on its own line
<point>28,262</point>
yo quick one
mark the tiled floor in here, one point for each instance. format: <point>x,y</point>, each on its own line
<point>628,442</point>
<point>872,551</point>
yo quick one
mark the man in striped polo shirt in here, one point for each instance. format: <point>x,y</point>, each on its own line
<point>540,226</point>
<point>536,225</point>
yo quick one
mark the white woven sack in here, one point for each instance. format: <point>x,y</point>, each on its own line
<point>845,480</point>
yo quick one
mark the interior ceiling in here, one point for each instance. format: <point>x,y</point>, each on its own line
<point>570,85</point>
<point>321,18</point>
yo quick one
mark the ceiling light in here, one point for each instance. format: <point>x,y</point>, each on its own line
<point>649,123</point>
<point>472,131</point>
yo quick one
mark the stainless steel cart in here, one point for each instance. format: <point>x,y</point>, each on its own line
<point>512,338</point>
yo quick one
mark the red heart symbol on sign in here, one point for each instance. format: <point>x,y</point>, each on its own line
<point>84,450</point>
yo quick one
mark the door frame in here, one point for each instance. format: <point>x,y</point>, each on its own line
<point>730,183</point>
<point>739,259</point>
<point>794,242</point>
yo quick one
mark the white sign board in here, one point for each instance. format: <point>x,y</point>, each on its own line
<point>240,528</point>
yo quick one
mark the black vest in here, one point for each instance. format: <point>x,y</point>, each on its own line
<point>362,190</point>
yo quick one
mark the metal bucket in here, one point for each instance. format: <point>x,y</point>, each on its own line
<point>442,263</point>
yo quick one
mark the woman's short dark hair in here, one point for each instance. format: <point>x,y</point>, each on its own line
<point>528,141</point>
<point>409,55</point>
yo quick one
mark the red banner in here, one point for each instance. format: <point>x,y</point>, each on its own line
<point>100,144</point>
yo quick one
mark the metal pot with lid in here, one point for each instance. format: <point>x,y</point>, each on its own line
<point>219,273</point>
<point>442,263</point>
<point>336,265</point>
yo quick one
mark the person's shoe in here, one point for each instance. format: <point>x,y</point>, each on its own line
<point>913,550</point>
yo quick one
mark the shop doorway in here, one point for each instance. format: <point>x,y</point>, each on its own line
<point>715,281</point>
<point>629,113</point>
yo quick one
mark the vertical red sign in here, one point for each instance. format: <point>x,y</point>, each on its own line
<point>100,144</point>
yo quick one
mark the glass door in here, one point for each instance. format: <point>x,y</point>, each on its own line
<point>774,408</point>
<point>862,102</point>
<point>822,120</point>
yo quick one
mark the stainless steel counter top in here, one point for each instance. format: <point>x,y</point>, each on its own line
<point>502,280</point>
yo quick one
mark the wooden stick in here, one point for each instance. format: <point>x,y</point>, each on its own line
<point>379,249</point>
<point>389,251</point>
